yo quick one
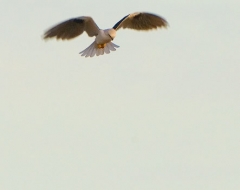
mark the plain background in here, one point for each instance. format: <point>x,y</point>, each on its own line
<point>161,112</point>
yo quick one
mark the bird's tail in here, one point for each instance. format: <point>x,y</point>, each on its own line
<point>95,49</point>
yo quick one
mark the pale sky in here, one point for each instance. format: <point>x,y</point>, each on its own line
<point>161,112</point>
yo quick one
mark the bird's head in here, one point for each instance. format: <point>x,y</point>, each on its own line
<point>111,32</point>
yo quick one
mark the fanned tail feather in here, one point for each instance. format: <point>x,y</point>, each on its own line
<point>93,50</point>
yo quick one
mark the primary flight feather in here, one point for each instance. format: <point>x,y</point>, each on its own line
<point>102,44</point>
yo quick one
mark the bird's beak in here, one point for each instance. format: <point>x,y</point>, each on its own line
<point>110,36</point>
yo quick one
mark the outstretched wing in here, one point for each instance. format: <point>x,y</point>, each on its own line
<point>141,21</point>
<point>72,28</point>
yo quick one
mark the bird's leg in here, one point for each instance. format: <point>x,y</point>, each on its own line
<point>100,46</point>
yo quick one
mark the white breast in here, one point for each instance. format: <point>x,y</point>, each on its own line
<point>102,37</point>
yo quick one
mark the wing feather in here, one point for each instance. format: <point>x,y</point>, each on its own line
<point>72,28</point>
<point>141,21</point>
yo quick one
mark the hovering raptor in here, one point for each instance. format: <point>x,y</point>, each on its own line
<point>103,38</point>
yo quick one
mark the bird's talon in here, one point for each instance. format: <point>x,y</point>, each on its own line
<point>100,46</point>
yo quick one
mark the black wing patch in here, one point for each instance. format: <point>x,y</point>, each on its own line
<point>77,20</point>
<point>119,22</point>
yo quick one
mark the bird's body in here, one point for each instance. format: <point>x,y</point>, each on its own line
<point>103,38</point>
<point>102,44</point>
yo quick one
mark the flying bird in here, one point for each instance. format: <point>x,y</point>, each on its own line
<point>103,38</point>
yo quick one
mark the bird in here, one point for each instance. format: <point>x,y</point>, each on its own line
<point>71,28</point>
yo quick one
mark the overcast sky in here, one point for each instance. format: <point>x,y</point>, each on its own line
<point>161,112</point>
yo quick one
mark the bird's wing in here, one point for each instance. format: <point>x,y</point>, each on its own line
<point>72,28</point>
<point>141,21</point>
